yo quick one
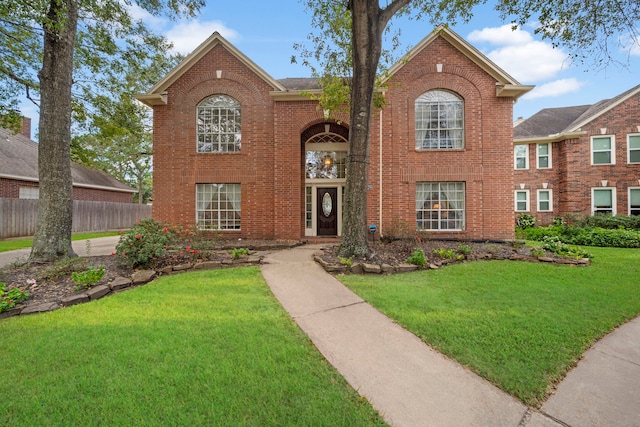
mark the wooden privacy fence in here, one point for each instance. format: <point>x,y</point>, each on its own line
<point>18,216</point>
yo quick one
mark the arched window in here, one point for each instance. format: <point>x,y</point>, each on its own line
<point>439,121</point>
<point>326,156</point>
<point>219,125</point>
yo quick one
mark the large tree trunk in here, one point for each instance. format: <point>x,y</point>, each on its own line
<point>52,239</point>
<point>367,46</point>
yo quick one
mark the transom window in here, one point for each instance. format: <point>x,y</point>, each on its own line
<point>602,150</point>
<point>326,157</point>
<point>439,121</point>
<point>634,148</point>
<point>219,125</point>
<point>521,156</point>
<point>440,205</point>
<point>218,206</point>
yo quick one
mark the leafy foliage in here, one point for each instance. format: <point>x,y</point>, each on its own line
<point>418,258</point>
<point>88,278</point>
<point>238,252</point>
<point>146,241</point>
<point>524,221</point>
<point>9,299</point>
<point>587,236</point>
<point>553,244</point>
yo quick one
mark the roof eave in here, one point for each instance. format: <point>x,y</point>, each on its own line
<point>511,90</point>
<point>557,137</point>
<point>295,95</point>
<point>152,99</point>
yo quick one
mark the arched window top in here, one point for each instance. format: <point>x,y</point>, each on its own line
<point>439,95</point>
<point>326,138</point>
<point>439,120</point>
<point>219,101</point>
<point>219,124</point>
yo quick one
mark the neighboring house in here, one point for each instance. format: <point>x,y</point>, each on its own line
<point>238,151</point>
<point>19,173</point>
<point>579,160</point>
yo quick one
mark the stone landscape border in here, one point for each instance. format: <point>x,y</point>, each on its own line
<point>138,278</point>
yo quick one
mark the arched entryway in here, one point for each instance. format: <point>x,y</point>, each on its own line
<point>325,148</point>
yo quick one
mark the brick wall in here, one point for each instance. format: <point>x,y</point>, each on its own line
<point>572,176</point>
<point>270,165</point>
<point>10,189</point>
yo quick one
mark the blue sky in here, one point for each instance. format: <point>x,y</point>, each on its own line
<point>266,31</point>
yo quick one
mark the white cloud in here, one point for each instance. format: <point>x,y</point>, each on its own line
<point>555,88</point>
<point>189,35</point>
<point>519,54</point>
<point>501,36</point>
<point>630,44</point>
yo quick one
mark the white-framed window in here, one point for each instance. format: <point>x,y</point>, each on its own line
<point>219,125</point>
<point>603,150</point>
<point>633,144</point>
<point>543,156</point>
<point>603,200</point>
<point>521,156</point>
<point>326,156</point>
<point>521,200</point>
<point>218,206</point>
<point>29,193</point>
<point>545,200</point>
<point>634,201</point>
<point>440,206</point>
<point>439,121</point>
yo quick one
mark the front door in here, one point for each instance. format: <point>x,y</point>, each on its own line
<point>327,211</point>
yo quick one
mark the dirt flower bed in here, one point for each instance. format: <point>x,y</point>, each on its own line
<point>53,282</point>
<point>440,252</point>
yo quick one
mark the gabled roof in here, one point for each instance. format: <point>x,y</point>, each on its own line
<point>556,124</point>
<point>505,84</point>
<point>157,94</point>
<point>19,160</point>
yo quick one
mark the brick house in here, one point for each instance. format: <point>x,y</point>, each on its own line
<point>579,160</point>
<point>19,172</point>
<point>254,157</point>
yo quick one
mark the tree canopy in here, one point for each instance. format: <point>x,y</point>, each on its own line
<point>61,54</point>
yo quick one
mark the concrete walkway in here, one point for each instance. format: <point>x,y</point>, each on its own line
<point>97,246</point>
<point>411,384</point>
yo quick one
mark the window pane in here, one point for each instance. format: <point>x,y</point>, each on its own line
<point>543,149</point>
<point>440,205</point>
<point>602,198</point>
<point>634,198</point>
<point>602,143</point>
<point>543,162</point>
<point>634,141</point>
<point>218,206</point>
<point>439,120</point>
<point>218,125</point>
<point>602,158</point>
<point>634,156</point>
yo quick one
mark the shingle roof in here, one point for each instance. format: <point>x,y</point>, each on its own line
<point>300,83</point>
<point>554,121</point>
<point>549,121</point>
<point>19,160</point>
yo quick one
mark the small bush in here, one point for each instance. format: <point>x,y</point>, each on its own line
<point>145,242</point>
<point>418,258</point>
<point>88,278</point>
<point>238,252</point>
<point>445,253</point>
<point>10,298</point>
<point>464,249</point>
<point>346,261</point>
<point>525,221</point>
<point>553,244</point>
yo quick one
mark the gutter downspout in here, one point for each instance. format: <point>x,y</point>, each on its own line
<point>380,172</point>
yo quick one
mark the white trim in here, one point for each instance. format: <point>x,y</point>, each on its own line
<point>629,148</point>
<point>550,149</point>
<point>515,201</point>
<point>526,158</point>
<point>629,198</point>
<point>612,149</point>
<point>547,190</point>
<point>613,198</point>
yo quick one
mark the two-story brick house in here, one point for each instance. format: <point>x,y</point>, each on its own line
<point>579,160</point>
<point>248,155</point>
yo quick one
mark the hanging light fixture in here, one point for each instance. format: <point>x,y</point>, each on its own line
<point>327,161</point>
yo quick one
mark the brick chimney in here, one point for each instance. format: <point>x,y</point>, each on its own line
<point>26,127</point>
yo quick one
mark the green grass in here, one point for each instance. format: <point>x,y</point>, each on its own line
<point>13,244</point>
<point>520,325</point>
<point>201,348</point>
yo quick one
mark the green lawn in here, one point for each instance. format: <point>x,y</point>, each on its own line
<point>520,325</point>
<point>13,244</point>
<point>201,348</point>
